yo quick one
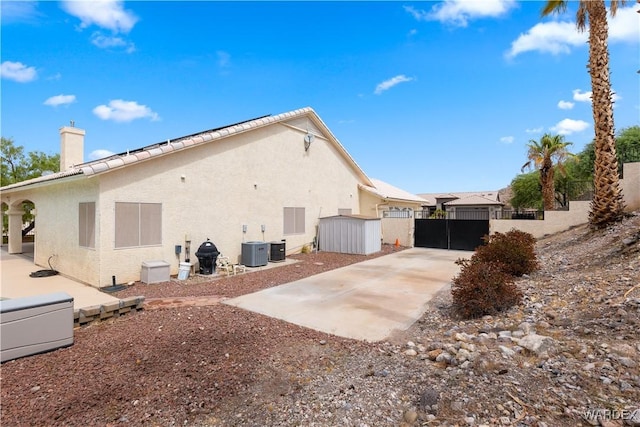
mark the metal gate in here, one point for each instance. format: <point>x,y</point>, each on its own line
<point>458,234</point>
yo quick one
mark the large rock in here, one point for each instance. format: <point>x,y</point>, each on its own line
<point>538,344</point>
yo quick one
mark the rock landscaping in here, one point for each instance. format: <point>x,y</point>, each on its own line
<point>568,355</point>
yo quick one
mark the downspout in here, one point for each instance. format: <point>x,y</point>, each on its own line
<point>380,204</point>
<point>378,216</point>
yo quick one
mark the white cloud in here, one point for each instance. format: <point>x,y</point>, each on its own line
<point>614,96</point>
<point>388,84</point>
<point>17,71</point>
<point>18,11</point>
<point>534,130</point>
<point>108,14</point>
<point>579,95</point>
<point>460,12</point>
<point>100,154</point>
<point>565,105</point>
<point>106,42</point>
<point>624,26</point>
<point>548,37</point>
<point>569,126</point>
<point>556,37</point>
<point>54,101</point>
<point>507,139</point>
<point>119,110</point>
<point>419,15</point>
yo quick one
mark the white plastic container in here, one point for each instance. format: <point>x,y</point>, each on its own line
<point>155,272</point>
<point>184,270</point>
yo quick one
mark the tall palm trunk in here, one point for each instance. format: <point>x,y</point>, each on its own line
<point>548,188</point>
<point>607,205</point>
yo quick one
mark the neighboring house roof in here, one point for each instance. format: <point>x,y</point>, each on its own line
<point>389,192</point>
<point>473,200</point>
<point>483,197</point>
<point>170,146</point>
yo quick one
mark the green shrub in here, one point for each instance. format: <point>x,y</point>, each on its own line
<point>515,250</point>
<point>483,288</point>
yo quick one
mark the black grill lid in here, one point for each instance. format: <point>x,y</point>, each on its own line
<point>207,248</point>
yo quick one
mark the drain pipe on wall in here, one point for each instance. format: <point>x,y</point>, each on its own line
<point>317,238</point>
<point>378,216</point>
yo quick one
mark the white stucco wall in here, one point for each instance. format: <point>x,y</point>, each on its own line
<point>56,231</point>
<point>246,179</point>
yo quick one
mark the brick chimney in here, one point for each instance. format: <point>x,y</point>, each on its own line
<point>71,147</point>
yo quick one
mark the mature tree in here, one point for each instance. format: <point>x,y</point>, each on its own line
<point>577,184</point>
<point>607,205</point>
<point>627,151</point>
<point>12,165</point>
<point>571,186</point>
<point>526,191</point>
<point>628,146</point>
<point>545,155</point>
<point>16,167</point>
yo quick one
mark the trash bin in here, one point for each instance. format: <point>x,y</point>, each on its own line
<point>207,255</point>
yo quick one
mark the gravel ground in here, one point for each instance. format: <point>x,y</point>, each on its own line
<point>570,349</point>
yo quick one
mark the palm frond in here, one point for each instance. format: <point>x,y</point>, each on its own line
<point>554,6</point>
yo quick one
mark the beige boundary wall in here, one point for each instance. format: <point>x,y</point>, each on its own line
<point>398,228</point>
<point>578,213</point>
<point>631,186</point>
<point>554,221</point>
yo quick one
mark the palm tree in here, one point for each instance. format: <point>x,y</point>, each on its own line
<point>607,205</point>
<point>545,155</point>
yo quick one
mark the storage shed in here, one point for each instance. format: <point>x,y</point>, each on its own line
<point>350,234</point>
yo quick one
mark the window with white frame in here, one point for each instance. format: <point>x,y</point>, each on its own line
<point>138,224</point>
<point>293,221</point>
<point>87,225</point>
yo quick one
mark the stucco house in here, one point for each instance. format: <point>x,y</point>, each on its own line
<point>265,179</point>
<point>464,205</point>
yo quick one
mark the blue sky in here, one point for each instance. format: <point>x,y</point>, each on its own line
<point>427,96</point>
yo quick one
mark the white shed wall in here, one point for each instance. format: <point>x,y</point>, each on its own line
<point>350,235</point>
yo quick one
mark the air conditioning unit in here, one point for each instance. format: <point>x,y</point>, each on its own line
<point>254,254</point>
<point>277,251</point>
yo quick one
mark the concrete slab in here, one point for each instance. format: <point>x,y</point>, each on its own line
<point>365,301</point>
<point>16,283</point>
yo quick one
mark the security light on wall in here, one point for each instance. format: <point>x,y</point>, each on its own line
<point>308,139</point>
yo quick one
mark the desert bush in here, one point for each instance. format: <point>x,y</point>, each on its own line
<point>485,284</point>
<point>515,250</point>
<point>483,288</point>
